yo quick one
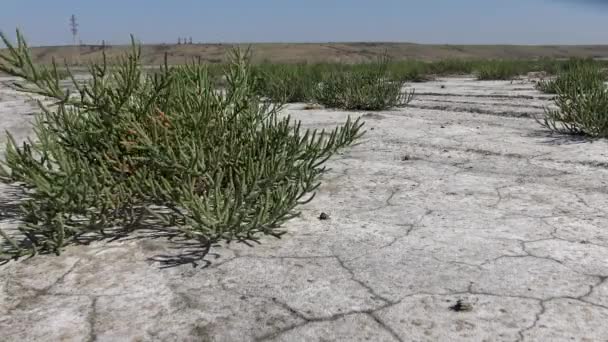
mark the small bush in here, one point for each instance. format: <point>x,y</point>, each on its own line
<point>498,70</point>
<point>451,67</point>
<point>164,146</point>
<point>411,71</point>
<point>576,63</point>
<point>287,83</point>
<point>300,82</point>
<point>548,65</point>
<point>582,75</point>
<point>368,88</point>
<point>582,101</point>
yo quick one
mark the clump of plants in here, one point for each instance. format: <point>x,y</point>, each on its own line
<point>129,147</point>
<point>582,103</point>
<point>301,82</point>
<point>583,75</point>
<point>409,70</point>
<point>451,67</point>
<point>498,70</point>
<point>287,83</point>
<point>367,88</point>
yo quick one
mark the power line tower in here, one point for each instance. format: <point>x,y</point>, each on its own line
<point>74,27</point>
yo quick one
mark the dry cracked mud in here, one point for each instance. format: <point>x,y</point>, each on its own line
<point>456,219</point>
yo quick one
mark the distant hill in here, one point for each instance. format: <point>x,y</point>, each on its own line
<point>320,52</point>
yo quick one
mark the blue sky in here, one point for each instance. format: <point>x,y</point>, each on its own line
<point>45,22</point>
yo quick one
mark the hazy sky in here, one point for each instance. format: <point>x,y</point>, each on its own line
<point>45,22</point>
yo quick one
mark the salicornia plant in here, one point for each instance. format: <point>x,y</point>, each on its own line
<point>499,70</point>
<point>368,87</point>
<point>582,103</point>
<point>579,74</point>
<point>129,146</point>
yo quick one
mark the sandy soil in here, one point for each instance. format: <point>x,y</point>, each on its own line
<point>456,219</point>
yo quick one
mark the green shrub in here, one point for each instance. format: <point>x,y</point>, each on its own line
<point>547,65</point>
<point>62,74</point>
<point>583,75</point>
<point>499,70</point>
<point>412,71</point>
<point>549,86</point>
<point>167,147</point>
<point>287,83</point>
<point>299,82</point>
<point>582,101</point>
<point>576,63</point>
<point>451,67</point>
<point>367,88</point>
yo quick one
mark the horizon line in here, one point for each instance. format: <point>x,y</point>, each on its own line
<point>321,43</point>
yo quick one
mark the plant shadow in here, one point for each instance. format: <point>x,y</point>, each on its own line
<point>10,200</point>
<point>555,138</point>
<point>177,249</point>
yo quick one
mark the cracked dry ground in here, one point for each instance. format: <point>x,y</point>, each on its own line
<point>460,197</point>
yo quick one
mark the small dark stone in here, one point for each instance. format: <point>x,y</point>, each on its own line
<point>461,306</point>
<point>323,216</point>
